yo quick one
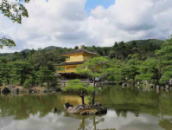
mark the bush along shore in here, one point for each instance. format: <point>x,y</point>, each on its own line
<point>33,90</point>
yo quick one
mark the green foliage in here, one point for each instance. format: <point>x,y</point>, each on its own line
<point>166,76</point>
<point>142,60</point>
<point>21,71</point>
<point>114,72</point>
<point>30,68</point>
<point>149,71</point>
<point>6,42</point>
<point>28,83</point>
<point>94,67</point>
<point>130,70</point>
<point>141,49</point>
<point>165,61</point>
<point>5,72</point>
<point>46,76</point>
<point>78,86</point>
<point>132,62</point>
<point>14,10</point>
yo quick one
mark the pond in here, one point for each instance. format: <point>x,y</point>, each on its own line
<point>127,110</point>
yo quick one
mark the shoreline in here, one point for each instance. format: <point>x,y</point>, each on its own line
<point>44,90</point>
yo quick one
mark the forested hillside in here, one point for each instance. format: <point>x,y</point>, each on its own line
<point>126,50</point>
<point>37,67</point>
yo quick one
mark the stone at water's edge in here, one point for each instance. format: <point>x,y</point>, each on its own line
<point>96,109</point>
<point>6,91</point>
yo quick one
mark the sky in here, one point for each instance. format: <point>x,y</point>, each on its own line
<point>70,23</point>
<point>91,4</point>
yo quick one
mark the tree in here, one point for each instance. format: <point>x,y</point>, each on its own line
<point>114,71</point>
<point>130,70</point>
<point>21,71</point>
<point>79,87</point>
<point>30,68</point>
<point>6,42</point>
<point>47,76</point>
<point>31,80</point>
<point>165,61</point>
<point>94,68</point>
<point>5,72</point>
<point>149,71</point>
<point>14,10</point>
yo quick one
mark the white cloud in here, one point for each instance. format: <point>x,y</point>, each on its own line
<point>66,23</point>
<point>54,121</point>
<point>34,122</point>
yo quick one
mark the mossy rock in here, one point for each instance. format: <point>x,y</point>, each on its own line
<point>96,109</point>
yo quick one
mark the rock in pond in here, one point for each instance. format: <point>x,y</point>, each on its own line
<point>96,109</point>
<point>6,90</point>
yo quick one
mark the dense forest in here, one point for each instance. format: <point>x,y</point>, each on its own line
<point>139,60</point>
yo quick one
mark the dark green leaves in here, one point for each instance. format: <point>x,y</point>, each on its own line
<point>77,86</point>
<point>14,10</point>
<point>165,57</point>
<point>95,67</point>
<point>6,42</point>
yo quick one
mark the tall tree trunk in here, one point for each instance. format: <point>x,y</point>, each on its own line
<point>83,101</point>
<point>133,82</point>
<point>94,93</point>
<point>93,98</point>
<point>82,98</point>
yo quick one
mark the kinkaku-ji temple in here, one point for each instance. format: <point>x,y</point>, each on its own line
<point>73,60</point>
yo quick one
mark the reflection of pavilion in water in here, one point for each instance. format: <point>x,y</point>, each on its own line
<point>92,123</point>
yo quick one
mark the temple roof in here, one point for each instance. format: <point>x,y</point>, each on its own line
<point>79,51</point>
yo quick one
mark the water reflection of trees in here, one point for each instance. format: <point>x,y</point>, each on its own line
<point>136,101</point>
<point>120,100</point>
<point>22,106</point>
<point>123,112</point>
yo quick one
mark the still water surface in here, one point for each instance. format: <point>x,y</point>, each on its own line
<point>127,110</point>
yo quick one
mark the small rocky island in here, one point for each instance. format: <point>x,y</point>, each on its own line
<point>83,89</point>
<point>96,109</point>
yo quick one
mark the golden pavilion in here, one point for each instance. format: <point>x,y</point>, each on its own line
<point>74,59</point>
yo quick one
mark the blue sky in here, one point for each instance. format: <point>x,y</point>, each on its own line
<point>91,4</point>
